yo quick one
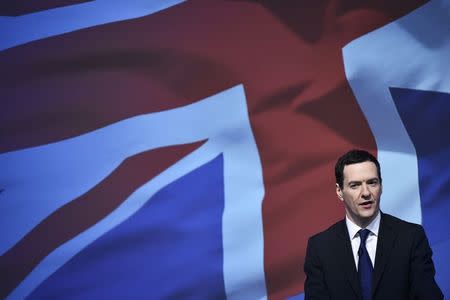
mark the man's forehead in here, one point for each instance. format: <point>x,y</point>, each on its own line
<point>360,171</point>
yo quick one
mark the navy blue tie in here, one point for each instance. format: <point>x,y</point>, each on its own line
<point>365,268</point>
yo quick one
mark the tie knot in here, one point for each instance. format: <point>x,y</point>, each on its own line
<point>363,234</point>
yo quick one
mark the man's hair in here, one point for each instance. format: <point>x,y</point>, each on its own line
<point>353,157</point>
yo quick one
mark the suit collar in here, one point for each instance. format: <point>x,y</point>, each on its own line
<point>346,258</point>
<point>353,228</point>
<point>386,240</point>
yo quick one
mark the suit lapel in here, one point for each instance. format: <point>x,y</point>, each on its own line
<point>386,240</point>
<point>347,260</point>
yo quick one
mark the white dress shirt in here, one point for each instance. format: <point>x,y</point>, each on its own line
<point>372,239</point>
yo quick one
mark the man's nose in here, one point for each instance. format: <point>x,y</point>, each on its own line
<point>365,191</point>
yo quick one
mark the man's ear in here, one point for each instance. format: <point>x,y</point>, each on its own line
<point>339,192</point>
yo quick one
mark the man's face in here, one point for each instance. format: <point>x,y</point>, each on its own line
<point>361,192</point>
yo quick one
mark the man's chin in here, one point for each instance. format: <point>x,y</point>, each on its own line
<point>368,214</point>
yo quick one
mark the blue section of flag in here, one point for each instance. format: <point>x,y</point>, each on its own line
<point>170,249</point>
<point>425,115</point>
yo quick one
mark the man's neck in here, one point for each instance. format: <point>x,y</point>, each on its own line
<point>363,223</point>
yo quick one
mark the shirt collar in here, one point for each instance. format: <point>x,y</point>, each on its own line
<point>353,228</point>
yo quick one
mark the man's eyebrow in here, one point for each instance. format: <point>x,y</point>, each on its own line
<point>373,179</point>
<point>354,181</point>
<point>360,181</point>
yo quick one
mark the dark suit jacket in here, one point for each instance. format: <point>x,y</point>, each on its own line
<point>403,265</point>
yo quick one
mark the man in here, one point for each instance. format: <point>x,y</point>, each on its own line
<point>369,254</point>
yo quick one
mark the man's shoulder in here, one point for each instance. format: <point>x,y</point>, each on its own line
<point>338,228</point>
<point>392,220</point>
<point>395,222</point>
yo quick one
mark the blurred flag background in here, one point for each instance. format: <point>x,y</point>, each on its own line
<point>185,149</point>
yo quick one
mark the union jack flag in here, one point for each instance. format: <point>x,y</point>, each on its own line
<point>185,149</point>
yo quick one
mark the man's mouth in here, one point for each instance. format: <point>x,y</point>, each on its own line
<point>367,204</point>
